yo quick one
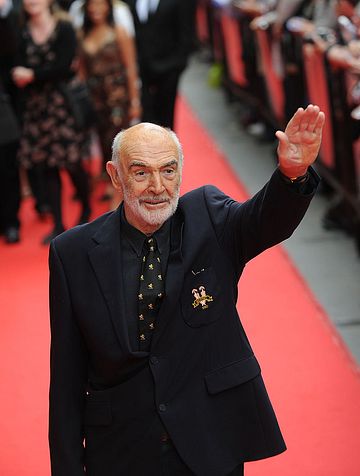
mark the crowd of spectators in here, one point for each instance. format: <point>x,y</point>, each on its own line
<point>126,57</point>
<point>278,55</point>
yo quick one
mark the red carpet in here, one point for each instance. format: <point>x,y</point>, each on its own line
<point>313,383</point>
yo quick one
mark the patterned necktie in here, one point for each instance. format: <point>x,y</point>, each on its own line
<point>151,292</point>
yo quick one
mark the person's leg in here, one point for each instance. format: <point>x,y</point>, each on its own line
<point>36,179</point>
<point>80,180</point>
<point>53,187</point>
<point>105,142</point>
<point>148,99</point>
<point>9,192</point>
<point>165,98</point>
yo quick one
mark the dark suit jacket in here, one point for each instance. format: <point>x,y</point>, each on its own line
<point>203,379</point>
<point>166,39</point>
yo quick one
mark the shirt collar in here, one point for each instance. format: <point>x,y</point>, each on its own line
<point>144,8</point>
<point>136,238</point>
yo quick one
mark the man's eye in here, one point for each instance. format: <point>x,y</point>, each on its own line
<point>169,171</point>
<point>140,173</point>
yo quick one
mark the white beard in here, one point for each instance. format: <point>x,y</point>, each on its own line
<point>151,217</point>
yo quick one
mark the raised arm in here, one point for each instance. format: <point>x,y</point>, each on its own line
<point>269,217</point>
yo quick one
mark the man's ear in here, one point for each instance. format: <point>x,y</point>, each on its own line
<point>111,169</point>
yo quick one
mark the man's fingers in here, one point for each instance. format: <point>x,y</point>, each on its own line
<point>283,141</point>
<point>281,135</point>
<point>309,118</point>
<point>303,120</point>
<point>294,123</point>
<point>319,123</point>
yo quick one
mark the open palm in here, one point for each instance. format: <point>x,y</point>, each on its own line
<point>300,143</point>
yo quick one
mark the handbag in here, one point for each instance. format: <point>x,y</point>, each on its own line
<point>78,99</point>
<point>9,125</point>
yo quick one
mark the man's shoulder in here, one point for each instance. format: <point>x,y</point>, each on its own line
<point>79,235</point>
<point>207,193</point>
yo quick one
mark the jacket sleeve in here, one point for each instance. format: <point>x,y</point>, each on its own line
<point>246,229</point>
<point>68,375</point>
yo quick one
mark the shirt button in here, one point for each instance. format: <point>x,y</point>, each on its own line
<point>154,360</point>
<point>162,407</point>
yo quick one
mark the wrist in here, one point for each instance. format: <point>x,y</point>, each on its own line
<point>293,173</point>
<point>294,179</point>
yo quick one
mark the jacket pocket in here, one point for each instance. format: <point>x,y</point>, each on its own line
<point>201,298</point>
<point>232,375</point>
<point>98,414</point>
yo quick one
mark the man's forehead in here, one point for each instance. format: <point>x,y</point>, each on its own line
<point>148,141</point>
<point>147,133</point>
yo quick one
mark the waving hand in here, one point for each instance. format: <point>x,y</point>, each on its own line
<point>300,143</point>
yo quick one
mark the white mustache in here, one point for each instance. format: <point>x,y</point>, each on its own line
<point>154,200</point>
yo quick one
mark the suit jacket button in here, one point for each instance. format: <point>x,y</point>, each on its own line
<point>154,360</point>
<point>162,407</point>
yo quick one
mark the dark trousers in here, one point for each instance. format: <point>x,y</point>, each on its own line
<point>36,178</point>
<point>172,464</point>
<point>9,186</point>
<point>45,183</point>
<point>158,98</point>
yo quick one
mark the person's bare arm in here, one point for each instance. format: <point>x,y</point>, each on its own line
<point>127,48</point>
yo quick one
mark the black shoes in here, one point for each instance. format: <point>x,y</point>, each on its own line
<point>11,235</point>
<point>43,210</point>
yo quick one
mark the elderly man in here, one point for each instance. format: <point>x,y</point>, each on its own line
<point>151,371</point>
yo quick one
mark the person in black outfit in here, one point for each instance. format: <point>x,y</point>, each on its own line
<point>164,31</point>
<point>9,173</point>
<point>150,364</point>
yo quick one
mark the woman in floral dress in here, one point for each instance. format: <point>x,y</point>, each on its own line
<point>50,139</point>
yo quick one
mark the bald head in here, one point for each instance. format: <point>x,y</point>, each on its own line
<point>142,136</point>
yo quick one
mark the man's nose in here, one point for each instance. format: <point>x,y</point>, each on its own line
<point>156,184</point>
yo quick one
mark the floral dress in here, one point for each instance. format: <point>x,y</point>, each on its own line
<point>49,133</point>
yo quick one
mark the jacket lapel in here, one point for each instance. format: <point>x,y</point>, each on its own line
<point>174,278</point>
<point>105,259</point>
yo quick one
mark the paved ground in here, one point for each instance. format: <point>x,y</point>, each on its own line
<point>327,260</point>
